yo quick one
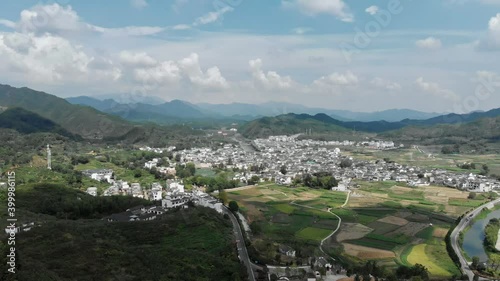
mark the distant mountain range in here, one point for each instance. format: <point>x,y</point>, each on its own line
<point>177,109</point>
<point>29,111</point>
<point>299,123</point>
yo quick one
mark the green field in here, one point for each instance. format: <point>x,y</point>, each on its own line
<point>434,257</point>
<point>313,233</point>
<point>283,223</point>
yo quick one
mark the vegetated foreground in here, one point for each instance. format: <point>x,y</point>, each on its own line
<point>97,250</point>
<point>394,225</point>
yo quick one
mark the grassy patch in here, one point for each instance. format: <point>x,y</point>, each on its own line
<point>313,233</point>
<point>284,208</point>
<point>426,233</point>
<point>374,243</point>
<point>420,254</point>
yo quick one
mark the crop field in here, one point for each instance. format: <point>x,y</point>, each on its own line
<point>450,201</point>
<point>434,257</point>
<point>313,233</point>
<point>388,232</point>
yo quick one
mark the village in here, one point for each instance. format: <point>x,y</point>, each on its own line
<point>282,159</point>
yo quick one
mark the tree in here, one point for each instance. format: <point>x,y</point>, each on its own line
<point>472,195</point>
<point>253,180</point>
<point>223,196</point>
<point>346,163</point>
<point>283,170</point>
<point>475,262</point>
<point>233,206</point>
<point>137,173</point>
<point>178,157</point>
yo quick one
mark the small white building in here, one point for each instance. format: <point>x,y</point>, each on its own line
<point>92,191</point>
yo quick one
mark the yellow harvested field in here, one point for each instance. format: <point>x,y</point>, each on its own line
<point>444,192</point>
<point>360,199</point>
<point>401,190</point>
<point>440,232</point>
<point>352,231</point>
<point>366,253</point>
<point>418,255</point>
<point>393,220</point>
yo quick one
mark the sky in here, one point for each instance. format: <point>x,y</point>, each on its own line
<point>428,55</point>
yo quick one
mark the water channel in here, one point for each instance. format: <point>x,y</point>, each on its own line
<point>473,239</point>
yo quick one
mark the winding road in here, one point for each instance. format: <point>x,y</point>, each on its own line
<point>240,243</point>
<point>464,264</point>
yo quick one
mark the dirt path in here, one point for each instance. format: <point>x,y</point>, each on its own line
<point>331,234</point>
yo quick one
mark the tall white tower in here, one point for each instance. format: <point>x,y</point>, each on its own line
<point>49,156</point>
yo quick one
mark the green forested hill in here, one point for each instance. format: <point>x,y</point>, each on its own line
<point>81,120</point>
<point>27,122</point>
<point>194,244</point>
<point>289,124</point>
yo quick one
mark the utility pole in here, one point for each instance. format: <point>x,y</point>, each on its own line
<point>49,158</point>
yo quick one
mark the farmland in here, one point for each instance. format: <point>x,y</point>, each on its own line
<point>393,224</point>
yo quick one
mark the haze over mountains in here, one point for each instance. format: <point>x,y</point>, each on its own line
<point>140,111</point>
<point>110,120</point>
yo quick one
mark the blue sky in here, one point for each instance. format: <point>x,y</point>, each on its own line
<point>430,55</point>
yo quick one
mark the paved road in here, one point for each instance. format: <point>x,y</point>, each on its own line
<point>240,242</point>
<point>459,228</point>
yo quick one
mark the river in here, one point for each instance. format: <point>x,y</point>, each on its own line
<point>473,239</point>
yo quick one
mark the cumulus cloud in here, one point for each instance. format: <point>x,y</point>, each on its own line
<point>52,59</point>
<point>385,84</point>
<point>372,10</point>
<point>337,8</point>
<point>136,59</point>
<point>166,72</point>
<point>269,80</point>
<point>58,19</point>
<point>435,89</point>
<point>337,79</point>
<point>429,43</point>
<point>491,41</point>
<point>212,79</point>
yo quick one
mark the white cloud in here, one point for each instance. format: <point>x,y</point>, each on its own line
<point>337,79</point>
<point>429,43</point>
<point>269,80</point>
<point>494,23</point>
<point>212,79</point>
<point>61,20</point>
<point>212,16</point>
<point>372,10</point>
<point>181,27</point>
<point>139,4</point>
<point>166,72</point>
<point>7,23</point>
<point>384,84</point>
<point>52,59</point>
<point>491,41</point>
<point>301,30</point>
<point>435,89</point>
<point>136,59</point>
<point>337,8</point>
